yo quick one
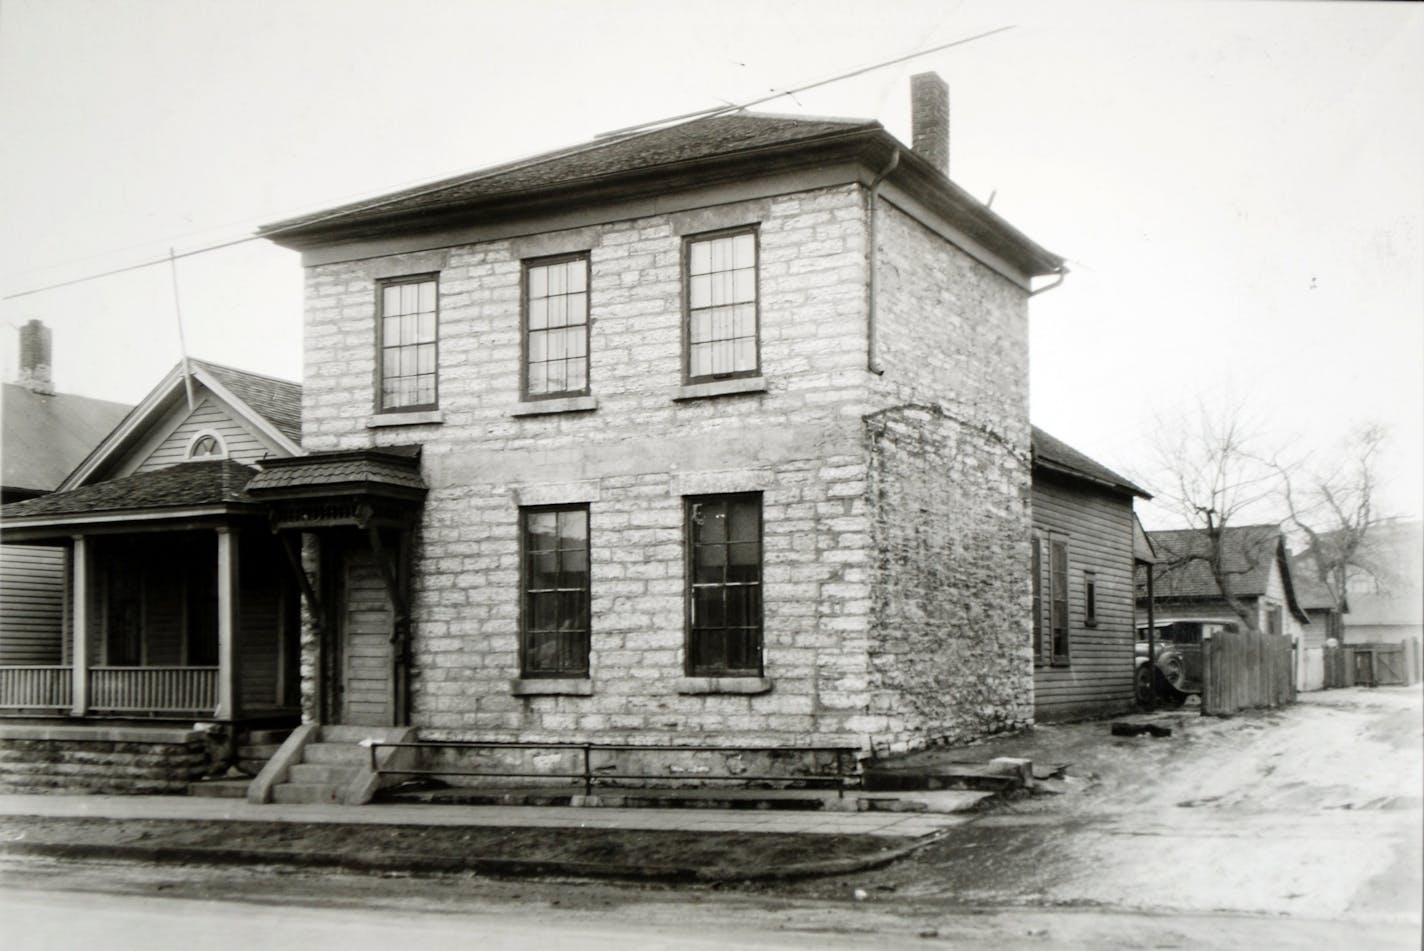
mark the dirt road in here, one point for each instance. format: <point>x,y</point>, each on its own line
<point>1299,828</point>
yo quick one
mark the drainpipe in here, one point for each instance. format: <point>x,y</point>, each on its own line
<point>1062,273</point>
<point>872,356</point>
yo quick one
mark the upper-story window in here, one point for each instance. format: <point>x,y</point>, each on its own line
<point>408,341</point>
<point>556,327</point>
<point>207,446</point>
<point>721,295</point>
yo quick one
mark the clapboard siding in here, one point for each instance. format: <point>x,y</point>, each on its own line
<point>1097,526</point>
<point>31,605</point>
<point>208,416</point>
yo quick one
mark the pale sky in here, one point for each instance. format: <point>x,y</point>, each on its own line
<point>1238,187</point>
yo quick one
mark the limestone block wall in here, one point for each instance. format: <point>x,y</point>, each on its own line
<point>949,481</point>
<point>797,440</point>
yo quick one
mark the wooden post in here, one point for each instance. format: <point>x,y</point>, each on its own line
<point>228,620</point>
<point>79,669</point>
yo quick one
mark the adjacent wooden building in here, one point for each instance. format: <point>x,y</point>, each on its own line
<point>1083,560</point>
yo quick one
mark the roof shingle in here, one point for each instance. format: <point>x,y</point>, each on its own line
<point>184,485</point>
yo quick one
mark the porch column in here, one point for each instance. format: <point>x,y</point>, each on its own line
<point>79,667</point>
<point>227,623</point>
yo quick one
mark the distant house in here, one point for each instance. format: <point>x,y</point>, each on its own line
<point>1326,622</point>
<point>179,605</point>
<point>45,435</point>
<point>1083,561</point>
<point>1258,565</point>
<point>1387,594</point>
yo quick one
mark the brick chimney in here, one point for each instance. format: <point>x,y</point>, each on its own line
<point>929,119</point>
<point>35,358</point>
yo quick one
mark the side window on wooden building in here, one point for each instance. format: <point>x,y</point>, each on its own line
<point>1036,548</point>
<point>1273,620</point>
<point>1058,592</point>
<point>408,343</point>
<point>724,610</point>
<point>554,620</point>
<point>1090,599</point>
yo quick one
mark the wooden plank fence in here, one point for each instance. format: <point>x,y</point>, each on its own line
<point>1246,670</point>
<point>1372,664</point>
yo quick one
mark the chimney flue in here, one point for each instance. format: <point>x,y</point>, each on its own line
<point>35,347</point>
<point>929,119</point>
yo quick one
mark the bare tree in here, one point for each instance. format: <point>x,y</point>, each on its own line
<point>1332,505</point>
<point>1216,479</point>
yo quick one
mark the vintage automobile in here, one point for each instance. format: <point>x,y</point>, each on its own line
<point>1176,673</point>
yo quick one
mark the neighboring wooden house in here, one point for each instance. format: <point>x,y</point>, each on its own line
<point>179,604</point>
<point>45,435</point>
<point>1326,621</point>
<point>1258,564</point>
<point>1084,557</point>
<point>725,430</point>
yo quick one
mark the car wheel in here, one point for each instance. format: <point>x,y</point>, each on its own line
<point>1172,696</point>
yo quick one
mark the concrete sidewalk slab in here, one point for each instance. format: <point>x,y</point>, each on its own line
<point>892,824</point>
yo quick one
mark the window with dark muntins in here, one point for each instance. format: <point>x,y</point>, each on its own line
<point>1058,593</point>
<point>720,288</point>
<point>554,621</point>
<point>1090,598</point>
<point>409,338</point>
<point>724,609</point>
<point>1037,568</point>
<point>556,327</point>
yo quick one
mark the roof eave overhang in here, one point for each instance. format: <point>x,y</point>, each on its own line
<point>868,145</point>
<point>1071,473</point>
<point>31,529</point>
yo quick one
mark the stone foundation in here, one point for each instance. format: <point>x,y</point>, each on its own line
<point>126,761</point>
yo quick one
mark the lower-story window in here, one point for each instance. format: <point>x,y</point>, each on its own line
<point>724,611</point>
<point>554,621</point>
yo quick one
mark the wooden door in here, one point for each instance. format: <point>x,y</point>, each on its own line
<point>367,687</point>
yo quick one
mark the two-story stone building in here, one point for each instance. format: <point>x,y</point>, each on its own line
<point>724,426</point>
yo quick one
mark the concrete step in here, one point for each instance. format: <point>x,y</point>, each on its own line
<point>336,733</point>
<point>219,788</point>
<point>307,792</point>
<point>989,777</point>
<point>321,773</point>
<point>335,754</point>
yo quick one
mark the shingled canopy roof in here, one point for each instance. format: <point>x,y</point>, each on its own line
<point>723,148</point>
<point>1053,454</point>
<point>1247,553</point>
<point>322,473</point>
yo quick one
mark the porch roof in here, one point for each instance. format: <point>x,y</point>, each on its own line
<point>372,469</point>
<point>190,488</point>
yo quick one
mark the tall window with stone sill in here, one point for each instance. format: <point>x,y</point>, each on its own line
<point>724,606</point>
<point>554,616</point>
<point>720,284</point>
<point>408,343</point>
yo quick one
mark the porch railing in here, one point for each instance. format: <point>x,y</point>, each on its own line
<point>26,688</point>
<point>153,689</point>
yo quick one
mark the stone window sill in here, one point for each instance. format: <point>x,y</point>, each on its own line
<point>697,391</point>
<point>425,418</point>
<point>741,685</point>
<point>551,687</point>
<point>567,404</point>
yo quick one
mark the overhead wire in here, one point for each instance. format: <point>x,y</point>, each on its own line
<point>626,133</point>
